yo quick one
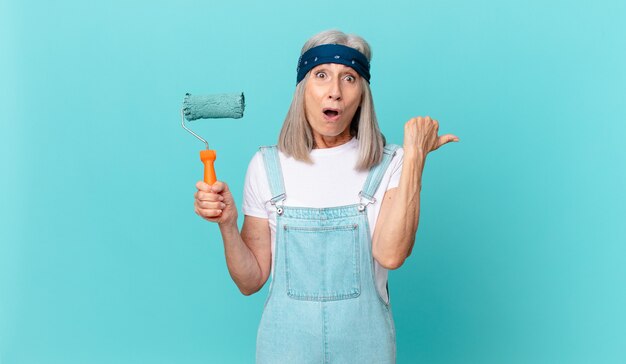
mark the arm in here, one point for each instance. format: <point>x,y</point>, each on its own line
<point>397,222</point>
<point>248,255</point>
<point>398,219</point>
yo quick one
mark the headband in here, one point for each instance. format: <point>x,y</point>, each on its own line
<point>333,53</point>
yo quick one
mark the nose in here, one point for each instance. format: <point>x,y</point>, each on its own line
<point>334,90</point>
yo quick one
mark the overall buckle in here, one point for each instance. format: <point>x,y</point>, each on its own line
<point>368,200</point>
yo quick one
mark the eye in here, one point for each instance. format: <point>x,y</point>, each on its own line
<point>320,74</point>
<point>350,78</point>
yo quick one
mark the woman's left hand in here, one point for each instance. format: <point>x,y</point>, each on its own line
<point>420,136</point>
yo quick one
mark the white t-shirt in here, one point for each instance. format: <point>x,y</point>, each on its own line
<point>330,181</point>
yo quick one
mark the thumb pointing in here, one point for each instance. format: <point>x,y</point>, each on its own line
<point>447,139</point>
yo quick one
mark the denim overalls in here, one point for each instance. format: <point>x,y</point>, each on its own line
<point>323,306</point>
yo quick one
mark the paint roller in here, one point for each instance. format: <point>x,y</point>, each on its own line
<point>217,106</point>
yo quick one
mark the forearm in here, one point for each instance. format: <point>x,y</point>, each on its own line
<point>242,264</point>
<point>395,239</point>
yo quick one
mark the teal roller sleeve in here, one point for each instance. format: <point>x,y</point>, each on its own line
<point>213,106</point>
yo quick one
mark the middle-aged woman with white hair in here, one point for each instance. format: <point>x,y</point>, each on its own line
<point>327,212</point>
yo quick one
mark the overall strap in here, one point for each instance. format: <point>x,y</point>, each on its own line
<point>274,173</point>
<point>376,174</point>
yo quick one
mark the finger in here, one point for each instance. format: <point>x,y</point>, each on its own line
<point>410,125</point>
<point>444,139</point>
<point>203,186</point>
<point>208,196</point>
<point>211,205</point>
<point>211,219</point>
<point>209,212</point>
<point>218,186</point>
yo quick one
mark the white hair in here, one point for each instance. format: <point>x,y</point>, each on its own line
<point>296,137</point>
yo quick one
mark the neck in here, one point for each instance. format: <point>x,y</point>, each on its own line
<point>323,141</point>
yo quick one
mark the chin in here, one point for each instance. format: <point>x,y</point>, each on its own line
<point>333,131</point>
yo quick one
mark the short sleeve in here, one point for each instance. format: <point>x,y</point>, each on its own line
<point>396,169</point>
<point>255,183</point>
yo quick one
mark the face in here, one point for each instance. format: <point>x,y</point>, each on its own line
<point>331,97</point>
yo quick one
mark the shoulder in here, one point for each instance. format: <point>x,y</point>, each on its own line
<point>256,160</point>
<point>266,152</point>
<point>260,154</point>
<point>399,153</point>
<point>396,151</point>
<point>256,167</point>
<point>393,149</point>
<point>395,164</point>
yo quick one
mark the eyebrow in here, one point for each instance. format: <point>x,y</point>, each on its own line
<point>323,68</point>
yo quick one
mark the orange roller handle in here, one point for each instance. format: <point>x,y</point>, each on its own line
<point>207,157</point>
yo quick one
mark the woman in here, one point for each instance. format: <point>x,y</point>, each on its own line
<point>311,205</point>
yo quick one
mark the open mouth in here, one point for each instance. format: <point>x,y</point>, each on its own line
<point>331,114</point>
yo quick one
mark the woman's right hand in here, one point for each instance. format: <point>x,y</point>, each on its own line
<point>215,203</point>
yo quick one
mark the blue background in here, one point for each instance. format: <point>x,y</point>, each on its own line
<point>520,251</point>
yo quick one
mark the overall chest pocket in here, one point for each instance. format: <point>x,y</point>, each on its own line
<point>322,262</point>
